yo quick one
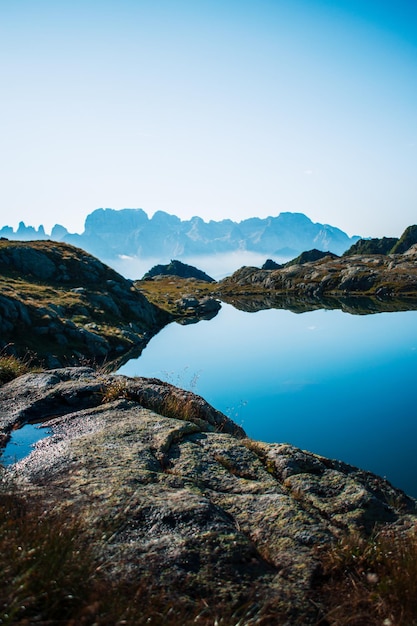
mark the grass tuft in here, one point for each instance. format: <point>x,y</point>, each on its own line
<point>11,367</point>
<point>45,568</point>
<point>115,390</point>
<point>51,574</point>
<point>372,581</point>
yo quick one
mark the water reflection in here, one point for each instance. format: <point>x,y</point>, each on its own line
<point>21,443</point>
<point>336,384</point>
<point>358,305</point>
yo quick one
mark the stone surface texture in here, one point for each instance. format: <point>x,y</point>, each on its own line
<point>383,276</point>
<point>169,487</point>
<point>64,306</point>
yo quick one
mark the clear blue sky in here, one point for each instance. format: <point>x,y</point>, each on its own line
<point>217,108</point>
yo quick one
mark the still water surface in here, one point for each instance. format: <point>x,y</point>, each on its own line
<point>336,384</point>
<point>21,443</point>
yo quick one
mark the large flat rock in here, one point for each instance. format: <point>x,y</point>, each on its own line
<point>167,486</point>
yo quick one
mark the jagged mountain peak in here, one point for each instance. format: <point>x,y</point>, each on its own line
<point>110,233</point>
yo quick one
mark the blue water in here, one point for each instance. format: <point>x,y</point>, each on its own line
<point>339,385</point>
<point>21,443</point>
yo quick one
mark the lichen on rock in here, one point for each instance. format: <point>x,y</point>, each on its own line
<point>167,486</point>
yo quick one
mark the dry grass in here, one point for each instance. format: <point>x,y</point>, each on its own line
<point>11,367</point>
<point>370,582</point>
<point>173,403</point>
<point>36,293</point>
<point>114,390</point>
<point>50,575</point>
<point>163,292</point>
<point>44,569</point>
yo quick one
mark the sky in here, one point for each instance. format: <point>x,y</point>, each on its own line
<point>217,108</point>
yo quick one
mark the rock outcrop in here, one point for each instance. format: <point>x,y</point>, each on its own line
<point>385,276</point>
<point>385,245</point>
<point>308,256</point>
<point>62,306</point>
<point>271,265</point>
<point>179,269</point>
<point>192,309</point>
<point>167,486</point>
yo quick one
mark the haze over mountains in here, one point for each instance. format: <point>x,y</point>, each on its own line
<point>110,233</point>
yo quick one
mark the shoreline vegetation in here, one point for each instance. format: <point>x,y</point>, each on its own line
<point>148,506</point>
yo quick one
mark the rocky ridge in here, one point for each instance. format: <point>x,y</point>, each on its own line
<point>379,275</point>
<point>61,306</point>
<point>385,245</point>
<point>168,487</point>
<point>109,233</point>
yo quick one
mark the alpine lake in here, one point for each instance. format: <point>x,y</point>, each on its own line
<point>337,384</point>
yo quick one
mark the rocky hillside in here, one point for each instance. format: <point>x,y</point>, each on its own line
<point>168,490</point>
<point>60,305</point>
<point>379,275</point>
<point>385,245</point>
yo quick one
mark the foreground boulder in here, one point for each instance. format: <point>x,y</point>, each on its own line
<point>168,487</point>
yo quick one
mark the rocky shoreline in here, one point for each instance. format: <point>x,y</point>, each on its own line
<point>61,306</point>
<point>164,487</point>
<point>383,276</point>
<point>167,486</point>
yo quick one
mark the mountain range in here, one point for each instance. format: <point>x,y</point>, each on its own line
<point>109,233</point>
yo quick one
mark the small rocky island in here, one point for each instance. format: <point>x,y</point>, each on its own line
<point>157,508</point>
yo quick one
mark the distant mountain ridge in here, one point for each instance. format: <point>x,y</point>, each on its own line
<point>109,233</point>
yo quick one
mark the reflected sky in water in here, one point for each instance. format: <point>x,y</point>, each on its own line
<point>21,443</point>
<point>336,384</point>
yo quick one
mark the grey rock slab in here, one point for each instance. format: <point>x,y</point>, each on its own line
<point>167,487</point>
